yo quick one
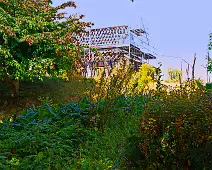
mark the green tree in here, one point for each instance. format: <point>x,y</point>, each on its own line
<point>37,40</point>
<point>175,75</point>
<point>209,60</point>
<point>210,67</point>
<point>142,79</point>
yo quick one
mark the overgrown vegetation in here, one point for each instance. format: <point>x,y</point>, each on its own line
<point>37,41</point>
<point>175,130</point>
<point>129,120</point>
<point>44,138</point>
<point>175,76</point>
<point>153,129</point>
<point>49,91</point>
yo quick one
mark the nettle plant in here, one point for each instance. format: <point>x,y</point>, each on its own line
<point>37,40</point>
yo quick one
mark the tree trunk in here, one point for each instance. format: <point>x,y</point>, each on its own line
<point>193,67</point>
<point>13,84</point>
<point>15,88</point>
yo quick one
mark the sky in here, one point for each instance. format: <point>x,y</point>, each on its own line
<point>177,28</point>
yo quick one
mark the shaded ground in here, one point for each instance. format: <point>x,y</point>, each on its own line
<point>37,92</point>
<point>34,93</point>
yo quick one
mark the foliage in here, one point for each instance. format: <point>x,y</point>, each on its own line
<point>66,136</point>
<point>114,128</point>
<point>110,147</point>
<point>45,138</point>
<point>114,85</point>
<point>208,58</point>
<point>175,76</point>
<point>141,80</point>
<point>208,86</point>
<point>210,67</point>
<point>37,92</point>
<point>37,40</point>
<point>175,129</point>
<point>124,80</point>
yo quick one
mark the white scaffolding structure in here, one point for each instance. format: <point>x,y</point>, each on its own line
<point>114,43</point>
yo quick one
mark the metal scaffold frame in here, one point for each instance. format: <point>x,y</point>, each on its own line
<point>114,43</point>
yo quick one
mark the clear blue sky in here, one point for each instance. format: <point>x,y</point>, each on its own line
<point>177,27</point>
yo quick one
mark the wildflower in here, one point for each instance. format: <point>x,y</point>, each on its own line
<point>11,119</point>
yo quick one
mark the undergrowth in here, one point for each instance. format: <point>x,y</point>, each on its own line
<point>114,127</point>
<point>44,138</point>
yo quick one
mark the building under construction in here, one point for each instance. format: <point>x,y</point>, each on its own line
<point>114,44</point>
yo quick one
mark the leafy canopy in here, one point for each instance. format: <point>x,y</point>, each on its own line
<point>36,39</point>
<point>208,58</point>
<point>175,75</point>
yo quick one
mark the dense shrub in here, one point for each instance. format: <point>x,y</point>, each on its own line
<point>141,81</point>
<point>67,136</point>
<point>161,129</point>
<point>107,150</point>
<point>45,138</point>
<point>124,80</point>
<point>175,130</point>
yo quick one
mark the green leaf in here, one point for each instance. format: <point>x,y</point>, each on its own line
<point>32,38</point>
<point>3,157</point>
<point>40,155</point>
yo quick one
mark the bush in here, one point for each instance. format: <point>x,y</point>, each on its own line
<point>107,150</point>
<point>124,80</point>
<point>140,81</point>
<point>45,138</point>
<point>175,130</point>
